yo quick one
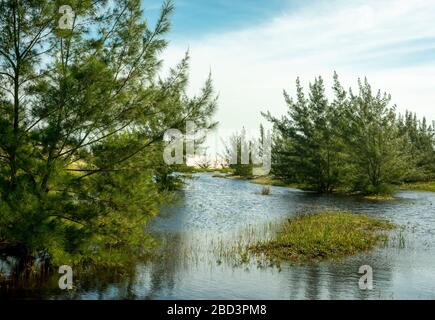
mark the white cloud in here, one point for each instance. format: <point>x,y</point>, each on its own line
<point>252,66</point>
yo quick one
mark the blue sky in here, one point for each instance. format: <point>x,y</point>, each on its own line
<point>257,48</point>
<point>197,18</point>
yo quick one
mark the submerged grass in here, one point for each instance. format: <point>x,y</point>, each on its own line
<point>329,235</point>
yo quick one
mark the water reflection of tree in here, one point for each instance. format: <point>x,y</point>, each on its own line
<point>165,267</point>
<point>339,280</point>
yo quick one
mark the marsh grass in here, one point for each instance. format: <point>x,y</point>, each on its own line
<point>211,170</point>
<point>329,235</point>
<point>420,186</point>
<point>266,190</point>
<point>378,197</point>
<point>264,245</point>
<point>271,181</point>
<point>402,241</point>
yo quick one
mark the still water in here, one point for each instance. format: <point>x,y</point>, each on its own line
<point>214,215</point>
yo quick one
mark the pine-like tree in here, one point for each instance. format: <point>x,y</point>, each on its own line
<point>355,143</point>
<point>377,151</point>
<point>421,140</point>
<point>82,117</point>
<point>305,143</point>
<point>238,154</point>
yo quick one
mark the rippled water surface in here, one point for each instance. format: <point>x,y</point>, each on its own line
<point>216,214</point>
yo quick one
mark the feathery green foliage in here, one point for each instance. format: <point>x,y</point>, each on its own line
<point>82,117</point>
<point>238,145</point>
<point>355,143</point>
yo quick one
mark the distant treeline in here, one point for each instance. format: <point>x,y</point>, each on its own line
<point>355,143</point>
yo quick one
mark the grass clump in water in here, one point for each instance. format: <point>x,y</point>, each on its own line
<point>329,235</point>
<point>266,190</point>
<point>271,181</point>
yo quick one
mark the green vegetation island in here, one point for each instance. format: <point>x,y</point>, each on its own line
<point>325,235</point>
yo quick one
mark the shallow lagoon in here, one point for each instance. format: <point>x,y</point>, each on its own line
<point>198,235</point>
